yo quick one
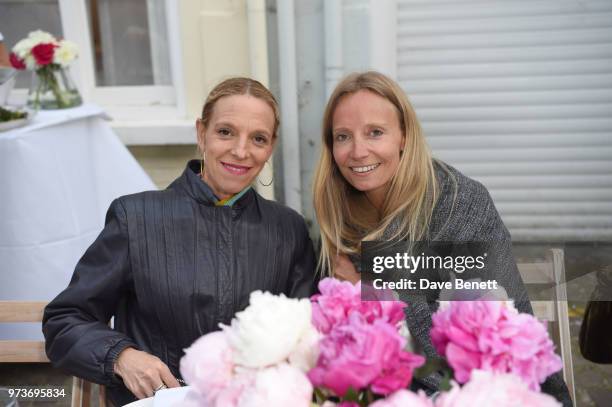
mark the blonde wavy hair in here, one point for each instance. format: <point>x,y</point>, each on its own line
<point>344,215</point>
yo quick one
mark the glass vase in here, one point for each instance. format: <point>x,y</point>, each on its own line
<point>52,88</point>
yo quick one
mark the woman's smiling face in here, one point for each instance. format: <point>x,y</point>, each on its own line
<point>236,143</point>
<point>367,142</point>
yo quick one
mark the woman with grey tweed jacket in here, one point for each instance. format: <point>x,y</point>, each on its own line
<point>376,180</point>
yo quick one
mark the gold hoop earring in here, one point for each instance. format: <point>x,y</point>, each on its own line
<point>202,167</point>
<point>271,179</point>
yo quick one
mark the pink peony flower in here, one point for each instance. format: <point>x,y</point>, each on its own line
<point>43,53</point>
<point>279,386</point>
<point>231,396</point>
<point>207,365</point>
<point>192,399</point>
<point>403,398</point>
<point>227,396</point>
<point>357,354</point>
<point>494,389</point>
<point>333,305</point>
<point>340,298</point>
<point>389,311</point>
<point>493,336</point>
<point>397,372</point>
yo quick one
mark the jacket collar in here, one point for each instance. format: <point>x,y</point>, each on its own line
<point>191,183</point>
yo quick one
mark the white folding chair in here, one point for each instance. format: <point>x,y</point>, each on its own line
<point>34,351</point>
<point>554,311</point>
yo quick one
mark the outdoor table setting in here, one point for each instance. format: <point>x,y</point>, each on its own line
<point>58,176</point>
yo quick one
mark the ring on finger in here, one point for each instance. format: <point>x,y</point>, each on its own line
<point>160,387</point>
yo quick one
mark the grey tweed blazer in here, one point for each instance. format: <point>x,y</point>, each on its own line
<point>465,213</point>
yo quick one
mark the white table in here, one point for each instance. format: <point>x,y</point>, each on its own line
<point>58,176</point>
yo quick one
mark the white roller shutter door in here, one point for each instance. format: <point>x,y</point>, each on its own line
<point>518,94</point>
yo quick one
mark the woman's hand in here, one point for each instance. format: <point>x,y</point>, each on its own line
<point>142,373</point>
<point>345,270</point>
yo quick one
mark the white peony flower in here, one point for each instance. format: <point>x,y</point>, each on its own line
<point>30,62</point>
<point>306,352</point>
<point>65,53</point>
<point>269,330</point>
<point>23,47</point>
<point>41,37</point>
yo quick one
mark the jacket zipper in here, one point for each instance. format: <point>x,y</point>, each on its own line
<point>233,260</point>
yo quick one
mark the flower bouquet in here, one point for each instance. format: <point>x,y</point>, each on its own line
<point>336,350</point>
<point>48,58</point>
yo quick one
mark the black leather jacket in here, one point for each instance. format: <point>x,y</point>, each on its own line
<point>170,266</point>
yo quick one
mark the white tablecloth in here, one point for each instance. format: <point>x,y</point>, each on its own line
<point>163,398</point>
<point>58,176</point>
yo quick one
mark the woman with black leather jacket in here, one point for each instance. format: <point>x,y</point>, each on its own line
<point>171,265</point>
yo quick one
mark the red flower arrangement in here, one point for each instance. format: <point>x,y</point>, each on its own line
<point>43,53</point>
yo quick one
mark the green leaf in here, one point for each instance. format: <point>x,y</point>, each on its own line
<point>320,396</point>
<point>431,366</point>
<point>445,383</point>
<point>351,395</point>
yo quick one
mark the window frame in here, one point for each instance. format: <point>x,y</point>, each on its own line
<point>126,103</point>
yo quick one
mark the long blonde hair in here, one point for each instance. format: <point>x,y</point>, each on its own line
<point>345,217</point>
